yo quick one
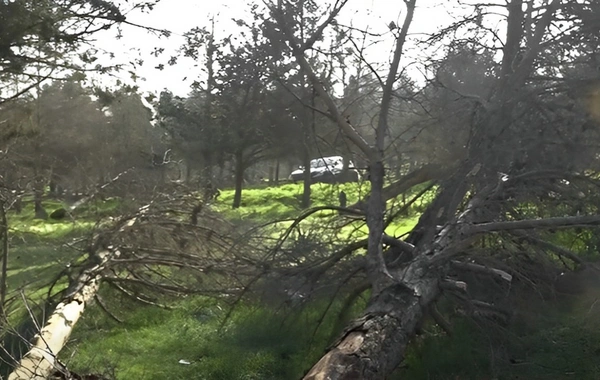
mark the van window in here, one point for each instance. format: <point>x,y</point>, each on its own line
<point>317,163</point>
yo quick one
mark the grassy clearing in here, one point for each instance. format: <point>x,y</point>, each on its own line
<point>283,203</point>
<point>256,343</point>
<point>261,343</point>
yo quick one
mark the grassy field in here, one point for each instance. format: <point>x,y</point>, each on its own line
<point>258,342</point>
<point>188,342</point>
<point>268,204</point>
<point>192,341</point>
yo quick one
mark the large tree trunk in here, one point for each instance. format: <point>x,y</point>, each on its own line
<point>373,346</point>
<point>4,270</point>
<point>38,193</point>
<point>39,211</point>
<point>39,362</point>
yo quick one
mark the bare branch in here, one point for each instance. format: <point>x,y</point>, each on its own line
<point>308,44</point>
<point>341,121</point>
<point>547,245</point>
<point>440,320</point>
<point>105,309</point>
<point>391,78</point>
<point>398,243</point>
<point>472,267</point>
<point>564,222</point>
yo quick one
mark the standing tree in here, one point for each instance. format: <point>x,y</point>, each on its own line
<point>242,97</point>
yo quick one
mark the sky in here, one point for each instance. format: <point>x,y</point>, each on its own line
<point>179,16</point>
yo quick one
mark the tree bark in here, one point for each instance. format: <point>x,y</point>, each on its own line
<point>307,180</point>
<point>38,193</point>
<point>40,360</point>
<point>39,211</point>
<point>239,180</point>
<point>4,232</point>
<point>373,346</point>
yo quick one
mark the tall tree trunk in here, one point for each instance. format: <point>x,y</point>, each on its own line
<point>271,177</point>
<point>345,175</point>
<point>307,179</point>
<point>4,270</point>
<point>188,172</point>
<point>38,193</point>
<point>239,179</point>
<point>18,206</point>
<point>277,173</point>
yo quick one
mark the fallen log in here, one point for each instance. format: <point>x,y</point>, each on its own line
<point>41,359</point>
<point>374,345</point>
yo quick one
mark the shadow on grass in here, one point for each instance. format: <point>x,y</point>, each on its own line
<point>257,343</point>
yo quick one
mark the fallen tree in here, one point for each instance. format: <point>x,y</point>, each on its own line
<point>486,192</point>
<point>41,359</point>
<point>127,255</point>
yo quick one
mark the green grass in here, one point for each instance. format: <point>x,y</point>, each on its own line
<point>266,204</point>
<point>38,250</point>
<point>283,203</point>
<point>557,346</point>
<point>256,343</point>
<point>260,342</point>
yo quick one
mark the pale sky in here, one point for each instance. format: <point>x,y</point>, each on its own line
<point>179,16</point>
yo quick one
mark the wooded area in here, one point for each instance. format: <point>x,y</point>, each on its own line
<point>465,202</point>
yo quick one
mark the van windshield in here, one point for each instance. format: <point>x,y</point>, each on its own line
<point>317,163</point>
<point>327,161</point>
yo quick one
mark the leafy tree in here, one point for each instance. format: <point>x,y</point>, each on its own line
<point>46,39</point>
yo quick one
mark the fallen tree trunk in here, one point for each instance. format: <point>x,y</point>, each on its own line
<point>374,345</point>
<point>41,359</point>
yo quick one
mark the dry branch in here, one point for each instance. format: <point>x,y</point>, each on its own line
<point>472,267</point>
<point>528,224</point>
<point>555,248</point>
<point>398,243</point>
